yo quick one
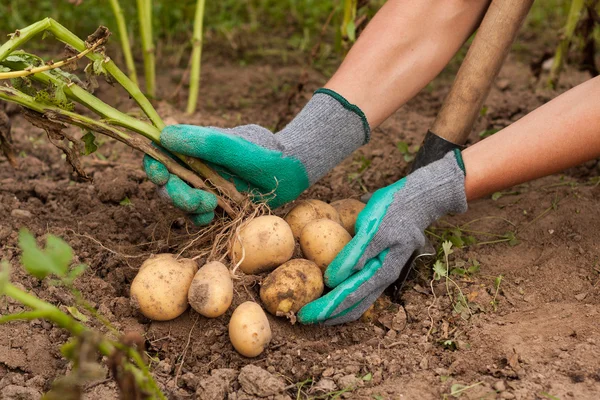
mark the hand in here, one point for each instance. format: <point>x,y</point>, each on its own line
<point>388,230</point>
<point>274,168</point>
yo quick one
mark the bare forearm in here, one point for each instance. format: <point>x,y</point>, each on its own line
<point>402,49</point>
<point>560,134</point>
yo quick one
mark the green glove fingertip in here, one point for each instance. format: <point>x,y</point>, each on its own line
<point>202,219</point>
<point>156,171</point>
<point>188,199</point>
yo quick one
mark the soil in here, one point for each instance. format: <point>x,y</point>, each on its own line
<point>534,336</point>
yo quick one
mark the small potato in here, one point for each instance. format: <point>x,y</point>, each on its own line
<point>265,243</point>
<point>322,240</point>
<point>348,210</point>
<point>249,329</point>
<point>309,210</point>
<point>211,291</point>
<point>291,286</point>
<point>159,290</point>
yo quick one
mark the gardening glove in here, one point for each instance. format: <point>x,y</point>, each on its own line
<point>388,230</point>
<point>274,168</point>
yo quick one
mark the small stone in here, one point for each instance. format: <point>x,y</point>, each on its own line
<point>328,372</point>
<point>348,382</point>
<point>258,382</point>
<point>503,84</point>
<point>324,386</point>
<point>507,395</point>
<point>20,214</point>
<point>499,386</point>
<point>424,364</point>
<point>580,296</point>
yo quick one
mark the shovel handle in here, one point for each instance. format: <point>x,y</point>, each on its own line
<point>480,67</point>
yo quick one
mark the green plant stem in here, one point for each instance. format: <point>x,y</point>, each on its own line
<point>575,13</point>
<point>145,20</point>
<point>22,36</point>
<point>196,58</point>
<point>60,115</point>
<point>124,37</point>
<point>52,313</point>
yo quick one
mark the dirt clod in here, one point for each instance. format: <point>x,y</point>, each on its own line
<point>258,382</point>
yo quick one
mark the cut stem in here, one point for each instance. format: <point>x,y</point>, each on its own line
<point>145,21</point>
<point>196,58</point>
<point>124,37</point>
<point>62,34</point>
<point>49,66</point>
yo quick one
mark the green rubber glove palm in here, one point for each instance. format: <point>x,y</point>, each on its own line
<point>388,230</point>
<point>275,168</point>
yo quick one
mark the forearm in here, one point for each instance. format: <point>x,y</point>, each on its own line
<point>402,49</point>
<point>560,134</point>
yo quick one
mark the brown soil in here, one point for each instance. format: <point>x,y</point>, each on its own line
<point>541,339</point>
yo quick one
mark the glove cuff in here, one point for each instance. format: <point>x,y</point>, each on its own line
<point>350,107</point>
<point>437,189</point>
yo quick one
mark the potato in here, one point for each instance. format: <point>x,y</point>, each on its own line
<point>291,286</point>
<point>309,210</point>
<point>322,240</point>
<point>211,291</point>
<point>266,241</point>
<point>159,290</point>
<point>249,330</point>
<point>348,210</point>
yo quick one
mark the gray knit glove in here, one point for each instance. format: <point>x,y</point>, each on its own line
<point>388,230</point>
<point>274,168</point>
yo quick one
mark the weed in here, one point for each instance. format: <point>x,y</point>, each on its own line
<point>409,152</point>
<point>457,390</point>
<point>497,282</point>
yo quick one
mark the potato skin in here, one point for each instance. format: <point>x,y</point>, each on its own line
<point>322,240</point>
<point>348,209</point>
<point>159,290</point>
<point>211,291</point>
<point>249,329</point>
<point>309,210</point>
<point>291,286</point>
<point>268,242</point>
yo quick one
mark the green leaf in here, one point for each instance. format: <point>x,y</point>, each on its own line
<point>457,241</point>
<point>60,253</point>
<point>126,202</point>
<point>77,314</point>
<point>447,247</point>
<point>40,263</point>
<point>69,349</point>
<point>409,157</point>
<point>549,396</point>
<point>4,275</point>
<point>89,141</point>
<point>367,377</point>
<point>402,147</point>
<point>497,195</point>
<point>378,397</point>
<point>474,268</point>
<point>457,388</point>
<point>4,69</point>
<point>439,270</point>
<point>98,67</point>
<point>351,31</point>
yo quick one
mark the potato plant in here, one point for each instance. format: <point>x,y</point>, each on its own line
<point>124,352</point>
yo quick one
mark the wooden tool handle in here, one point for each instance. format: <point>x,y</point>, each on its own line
<point>479,69</point>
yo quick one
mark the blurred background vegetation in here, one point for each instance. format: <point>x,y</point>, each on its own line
<point>247,28</point>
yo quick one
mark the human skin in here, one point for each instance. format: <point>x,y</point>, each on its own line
<point>405,46</point>
<point>560,134</point>
<point>408,43</point>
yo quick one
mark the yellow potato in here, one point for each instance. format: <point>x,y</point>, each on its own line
<point>159,290</point>
<point>249,329</point>
<point>291,286</point>
<point>264,242</point>
<point>309,210</point>
<point>348,210</point>
<point>322,240</point>
<point>211,291</point>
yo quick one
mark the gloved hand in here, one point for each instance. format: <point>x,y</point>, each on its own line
<point>388,230</point>
<point>274,168</point>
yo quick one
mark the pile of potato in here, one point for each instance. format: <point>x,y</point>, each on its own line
<point>165,285</point>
